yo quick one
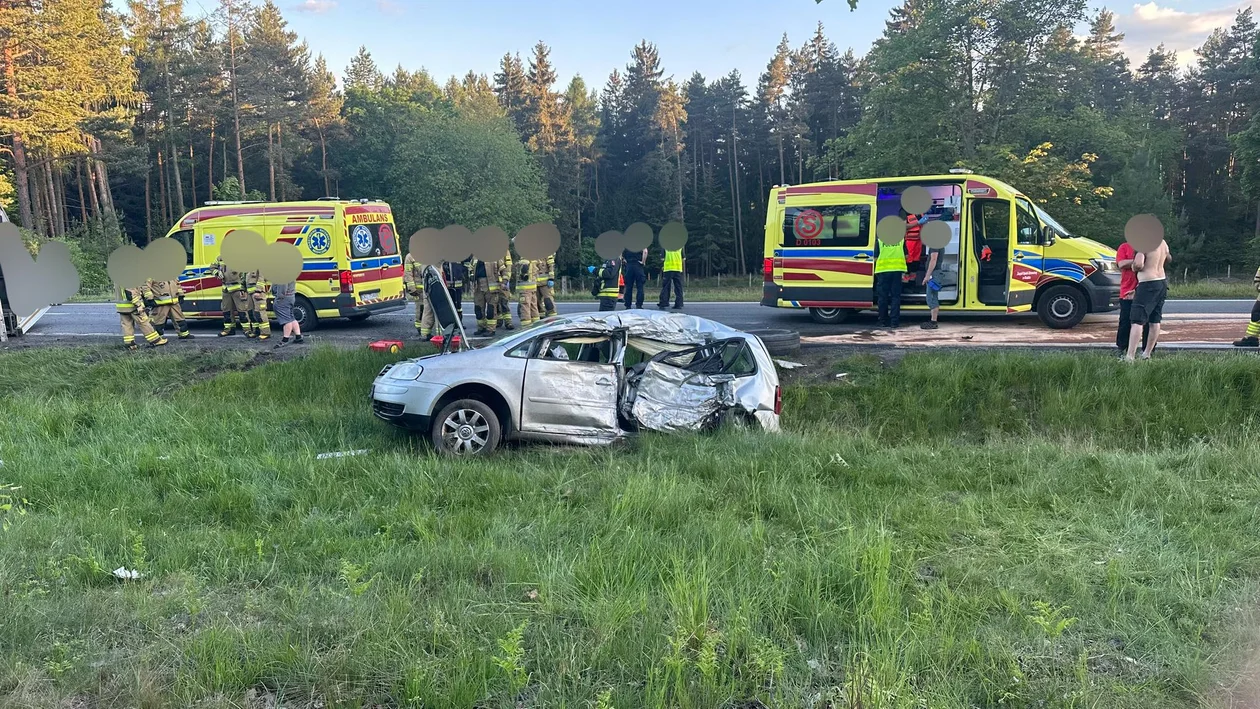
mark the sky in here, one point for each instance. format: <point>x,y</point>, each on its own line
<point>591,38</point>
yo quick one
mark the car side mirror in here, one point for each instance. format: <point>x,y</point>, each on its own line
<point>1047,235</point>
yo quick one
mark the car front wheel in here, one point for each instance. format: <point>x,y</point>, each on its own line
<point>466,427</point>
<point>1061,307</point>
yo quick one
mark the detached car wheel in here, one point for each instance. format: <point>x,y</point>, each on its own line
<point>829,316</point>
<point>466,427</point>
<point>778,342</point>
<point>1061,307</point>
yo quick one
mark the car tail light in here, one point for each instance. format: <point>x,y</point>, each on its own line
<point>778,400</point>
<point>347,281</point>
<point>767,269</point>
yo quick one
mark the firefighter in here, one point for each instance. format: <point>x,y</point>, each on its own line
<point>526,293</point>
<point>503,302</point>
<point>256,287</point>
<point>234,300</point>
<point>485,300</point>
<point>545,270</point>
<point>609,283</point>
<point>166,297</point>
<point>1252,338</point>
<point>413,281</point>
<point>132,313</point>
<point>455,273</point>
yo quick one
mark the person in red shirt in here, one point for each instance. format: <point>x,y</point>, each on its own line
<point>1128,285</point>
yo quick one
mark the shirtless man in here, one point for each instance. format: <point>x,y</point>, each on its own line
<point>1148,300</point>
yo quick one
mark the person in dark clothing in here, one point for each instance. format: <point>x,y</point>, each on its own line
<point>636,277</point>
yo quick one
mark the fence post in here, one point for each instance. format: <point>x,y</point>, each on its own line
<point>564,285</point>
<point>1229,267</point>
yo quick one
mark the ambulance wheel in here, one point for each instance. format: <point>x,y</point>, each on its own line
<point>1061,307</point>
<point>467,427</point>
<point>358,318</point>
<point>305,315</point>
<point>829,316</point>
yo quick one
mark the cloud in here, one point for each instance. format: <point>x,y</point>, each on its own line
<point>1150,24</point>
<point>317,7</point>
<point>389,7</point>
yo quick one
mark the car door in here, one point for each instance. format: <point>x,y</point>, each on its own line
<point>1026,257</point>
<point>571,386</point>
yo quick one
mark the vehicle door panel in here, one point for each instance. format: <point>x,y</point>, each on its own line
<point>689,389</point>
<point>566,397</point>
<point>826,246</point>
<point>1026,258</point>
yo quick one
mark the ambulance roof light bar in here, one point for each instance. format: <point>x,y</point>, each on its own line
<point>217,203</point>
<point>959,171</point>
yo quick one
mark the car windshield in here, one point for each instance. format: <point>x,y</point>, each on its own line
<point>1047,219</point>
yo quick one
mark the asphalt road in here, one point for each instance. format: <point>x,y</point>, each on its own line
<point>100,319</point>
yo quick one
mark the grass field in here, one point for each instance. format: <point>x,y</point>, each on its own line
<point>954,531</point>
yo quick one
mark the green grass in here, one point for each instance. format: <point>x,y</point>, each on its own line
<point>955,531</point>
<point>1213,288</point>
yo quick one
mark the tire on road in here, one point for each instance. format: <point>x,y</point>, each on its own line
<point>779,342</point>
<point>1062,307</point>
<point>829,316</point>
<point>305,315</point>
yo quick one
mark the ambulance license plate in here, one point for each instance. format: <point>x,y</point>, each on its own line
<point>370,296</point>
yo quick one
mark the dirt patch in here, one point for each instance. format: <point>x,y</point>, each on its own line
<point>1198,329</point>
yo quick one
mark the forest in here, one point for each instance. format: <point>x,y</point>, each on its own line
<point>114,124</point>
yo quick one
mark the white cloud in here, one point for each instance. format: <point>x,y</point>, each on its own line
<point>389,7</point>
<point>1150,24</point>
<point>315,6</point>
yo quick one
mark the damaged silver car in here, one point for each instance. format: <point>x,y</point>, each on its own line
<point>590,378</point>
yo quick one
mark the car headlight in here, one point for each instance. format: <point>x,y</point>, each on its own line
<point>405,370</point>
<point>1104,265</point>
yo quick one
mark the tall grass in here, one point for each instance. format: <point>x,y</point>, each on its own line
<point>880,553</point>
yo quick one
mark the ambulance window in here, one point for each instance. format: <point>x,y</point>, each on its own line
<point>834,225</point>
<point>185,238</point>
<point>368,240</point>
<point>1027,223</point>
<point>991,222</point>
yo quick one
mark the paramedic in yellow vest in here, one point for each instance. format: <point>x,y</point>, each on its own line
<point>413,282</point>
<point>484,300</point>
<point>166,306</point>
<point>526,292</point>
<point>545,276</point>
<point>256,304</point>
<point>890,268</point>
<point>131,312</point>
<point>1252,338</point>
<point>672,277</point>
<point>234,300</point>
<point>503,300</point>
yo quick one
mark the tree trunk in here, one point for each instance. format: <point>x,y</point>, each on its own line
<point>107,195</point>
<point>166,204</point>
<point>739,208</point>
<point>323,154</point>
<point>92,189</point>
<point>25,211</point>
<point>192,174</point>
<point>210,165</point>
<point>236,106</point>
<point>41,213</point>
<point>782,172</point>
<point>284,196</point>
<point>678,160</point>
<point>271,163</point>
<point>148,202</point>
<point>170,139</point>
<point>83,214</point>
<point>56,203</point>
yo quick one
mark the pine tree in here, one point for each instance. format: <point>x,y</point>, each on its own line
<point>510,86</point>
<point>363,72</point>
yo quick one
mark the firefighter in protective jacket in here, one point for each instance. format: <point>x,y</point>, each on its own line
<point>166,297</point>
<point>235,302</point>
<point>526,293</point>
<point>545,273</point>
<point>256,287</point>
<point>484,300</point>
<point>502,290</point>
<point>132,313</point>
<point>413,283</point>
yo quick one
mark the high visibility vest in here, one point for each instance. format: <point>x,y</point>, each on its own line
<point>890,258</point>
<point>673,261</point>
<point>609,284</point>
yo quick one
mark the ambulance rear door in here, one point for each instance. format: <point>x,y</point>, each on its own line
<point>826,250</point>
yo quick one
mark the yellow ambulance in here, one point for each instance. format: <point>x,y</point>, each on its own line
<point>1006,254</point>
<point>351,267</point>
